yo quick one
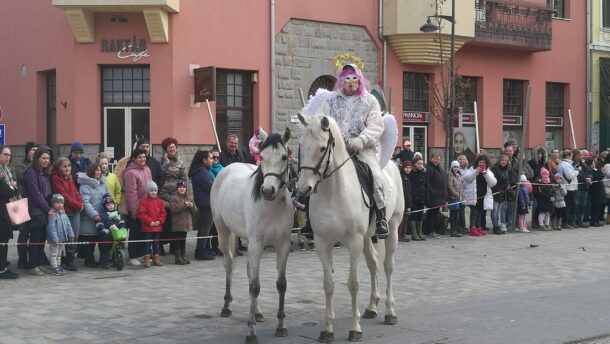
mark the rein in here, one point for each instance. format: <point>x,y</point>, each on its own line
<point>279,176</point>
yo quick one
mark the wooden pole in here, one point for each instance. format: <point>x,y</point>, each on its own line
<point>207,103</point>
<point>572,128</point>
<point>302,97</point>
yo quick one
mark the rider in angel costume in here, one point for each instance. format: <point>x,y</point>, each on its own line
<point>358,114</point>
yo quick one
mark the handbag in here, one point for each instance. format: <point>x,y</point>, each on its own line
<point>18,211</point>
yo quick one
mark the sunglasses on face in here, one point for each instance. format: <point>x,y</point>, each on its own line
<point>215,157</point>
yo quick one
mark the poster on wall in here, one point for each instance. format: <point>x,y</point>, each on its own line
<point>464,143</point>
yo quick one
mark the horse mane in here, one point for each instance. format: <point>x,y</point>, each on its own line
<point>272,140</point>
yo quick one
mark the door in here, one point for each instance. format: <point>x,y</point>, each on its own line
<point>123,126</point>
<point>418,135</point>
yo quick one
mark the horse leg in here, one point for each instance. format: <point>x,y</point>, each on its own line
<point>370,256</point>
<point>281,260</point>
<point>324,250</point>
<point>254,257</point>
<point>353,284</point>
<point>225,240</point>
<point>388,266</point>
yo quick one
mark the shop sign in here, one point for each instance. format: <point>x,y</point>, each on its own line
<point>134,49</point>
<point>415,117</point>
<point>205,84</point>
<point>467,119</point>
<point>554,121</point>
<point>513,120</point>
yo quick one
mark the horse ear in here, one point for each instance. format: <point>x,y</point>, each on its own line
<point>286,136</point>
<point>262,134</point>
<point>304,121</point>
<point>325,123</point>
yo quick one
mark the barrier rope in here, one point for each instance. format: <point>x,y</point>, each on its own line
<point>105,242</point>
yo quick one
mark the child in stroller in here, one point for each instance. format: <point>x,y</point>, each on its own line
<point>111,228</point>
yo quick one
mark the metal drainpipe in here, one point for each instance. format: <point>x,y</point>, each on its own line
<point>589,94</point>
<point>272,62</point>
<point>384,56</point>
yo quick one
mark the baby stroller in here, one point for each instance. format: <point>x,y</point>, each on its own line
<point>119,235</point>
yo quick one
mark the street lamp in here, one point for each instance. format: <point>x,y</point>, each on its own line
<point>430,27</point>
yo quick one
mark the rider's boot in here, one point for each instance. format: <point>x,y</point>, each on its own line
<point>382,231</point>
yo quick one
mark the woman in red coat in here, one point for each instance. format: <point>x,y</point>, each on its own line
<point>62,183</point>
<point>151,213</point>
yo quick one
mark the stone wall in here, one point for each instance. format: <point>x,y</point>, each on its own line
<point>304,51</point>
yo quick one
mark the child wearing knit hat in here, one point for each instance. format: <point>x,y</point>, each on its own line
<point>544,193</point>
<point>151,213</point>
<point>59,231</point>
<point>182,208</point>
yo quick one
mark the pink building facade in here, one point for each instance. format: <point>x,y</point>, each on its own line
<point>123,74</point>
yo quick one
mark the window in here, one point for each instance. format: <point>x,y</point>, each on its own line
<point>326,82</point>
<point>554,99</point>
<point>513,97</point>
<point>234,105</point>
<point>559,8</point>
<point>606,14</point>
<point>126,85</point>
<point>51,109</point>
<point>466,93</point>
<point>415,92</point>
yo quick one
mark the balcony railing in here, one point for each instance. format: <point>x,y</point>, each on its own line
<point>516,24</point>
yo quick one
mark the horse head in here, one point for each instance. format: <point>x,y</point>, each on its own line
<point>316,148</point>
<point>272,173</point>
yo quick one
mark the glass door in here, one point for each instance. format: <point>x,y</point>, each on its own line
<point>123,126</point>
<point>418,135</point>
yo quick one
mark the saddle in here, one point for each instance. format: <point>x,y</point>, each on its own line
<point>365,177</point>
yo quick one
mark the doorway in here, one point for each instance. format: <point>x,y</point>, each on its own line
<point>123,126</point>
<point>418,135</point>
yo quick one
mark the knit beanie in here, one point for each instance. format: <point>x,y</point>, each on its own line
<point>523,178</point>
<point>558,176</point>
<point>57,198</point>
<point>544,171</point>
<point>405,164</point>
<point>151,186</point>
<point>107,199</point>
<point>29,145</point>
<point>181,184</point>
<point>77,147</point>
<point>454,163</point>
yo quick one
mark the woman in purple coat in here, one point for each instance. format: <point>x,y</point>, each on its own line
<point>38,191</point>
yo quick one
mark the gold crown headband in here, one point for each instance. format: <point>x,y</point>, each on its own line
<point>343,59</point>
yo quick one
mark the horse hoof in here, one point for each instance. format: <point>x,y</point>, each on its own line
<point>355,336</point>
<point>251,340</point>
<point>225,313</point>
<point>391,320</point>
<point>326,337</point>
<point>259,317</point>
<point>368,314</point>
<point>281,332</point>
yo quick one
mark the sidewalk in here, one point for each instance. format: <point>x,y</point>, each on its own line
<point>496,289</point>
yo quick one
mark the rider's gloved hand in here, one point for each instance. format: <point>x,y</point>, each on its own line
<point>355,145</point>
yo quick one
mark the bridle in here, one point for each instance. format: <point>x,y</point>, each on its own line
<point>281,176</point>
<point>325,161</point>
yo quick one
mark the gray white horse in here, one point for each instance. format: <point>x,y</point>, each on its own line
<point>254,204</point>
<point>337,213</point>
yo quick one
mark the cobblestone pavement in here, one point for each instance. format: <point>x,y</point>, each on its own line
<point>497,289</point>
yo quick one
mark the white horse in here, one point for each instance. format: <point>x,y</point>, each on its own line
<point>337,213</point>
<point>254,204</point>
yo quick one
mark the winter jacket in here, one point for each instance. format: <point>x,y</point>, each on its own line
<point>226,159</point>
<point>522,200</point>
<point>559,193</point>
<point>65,186</point>
<point>454,185</point>
<point>525,168</point>
<point>405,155</point>
<point>151,210</point>
<point>78,166</point>
<point>112,218</point>
<point>182,220</point>
<point>470,190</point>
<point>418,188</point>
<point>566,170</point>
<point>544,193</point>
<point>597,194</point>
<point>202,185</point>
<point>406,189</point>
<point>173,171</point>
<point>215,169</point>
<point>114,188</point>
<point>606,171</point>
<point>156,172</point>
<point>502,187</point>
<point>6,228</point>
<point>436,178</point>
<point>37,189</point>
<point>584,172</point>
<point>134,185</point>
<point>59,228</point>
<point>536,164</point>
<point>92,191</point>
